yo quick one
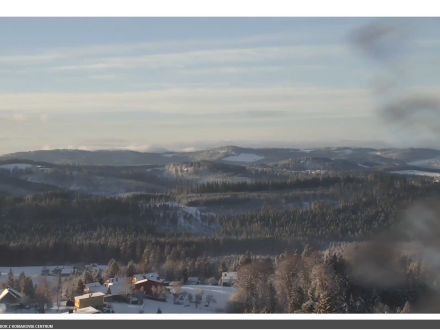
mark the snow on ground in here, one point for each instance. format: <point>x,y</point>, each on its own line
<point>169,155</point>
<point>151,307</point>
<point>364,166</point>
<point>220,177</point>
<point>305,150</point>
<point>411,172</point>
<point>424,161</point>
<point>196,225</point>
<point>221,295</point>
<point>245,158</point>
<point>345,151</point>
<point>374,153</point>
<point>35,271</point>
<point>32,271</point>
<point>19,166</point>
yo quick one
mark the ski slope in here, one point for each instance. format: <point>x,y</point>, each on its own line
<point>245,158</point>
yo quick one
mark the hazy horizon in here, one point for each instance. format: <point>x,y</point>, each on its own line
<point>148,84</point>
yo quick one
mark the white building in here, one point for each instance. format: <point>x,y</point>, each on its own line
<point>229,278</point>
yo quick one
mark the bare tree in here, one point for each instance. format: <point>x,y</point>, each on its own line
<point>44,294</point>
<point>210,298</point>
<point>199,297</point>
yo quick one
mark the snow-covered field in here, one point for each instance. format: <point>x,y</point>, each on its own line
<point>345,151</point>
<point>220,177</point>
<point>425,162</point>
<point>411,172</point>
<point>19,166</point>
<point>35,271</point>
<point>220,294</point>
<point>194,224</point>
<point>169,155</point>
<point>374,153</point>
<point>245,158</point>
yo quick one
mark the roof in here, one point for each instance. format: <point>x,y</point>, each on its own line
<point>229,273</point>
<point>90,295</point>
<point>114,280</point>
<point>149,276</point>
<point>13,292</point>
<point>88,285</point>
<point>118,288</point>
<point>95,287</point>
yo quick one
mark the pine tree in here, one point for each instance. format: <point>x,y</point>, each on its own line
<point>80,287</point>
<point>325,304</point>
<point>407,308</point>
<point>245,260</point>
<point>113,269</point>
<point>130,269</point>
<point>308,307</point>
<point>21,281</point>
<point>97,275</point>
<point>11,281</point>
<point>87,276</point>
<point>222,268</point>
<point>273,305</point>
<point>28,288</point>
<point>297,299</point>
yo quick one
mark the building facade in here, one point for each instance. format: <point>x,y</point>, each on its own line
<point>95,300</point>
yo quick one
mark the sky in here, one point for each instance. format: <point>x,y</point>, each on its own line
<point>155,84</point>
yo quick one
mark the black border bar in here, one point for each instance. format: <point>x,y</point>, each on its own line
<point>222,324</point>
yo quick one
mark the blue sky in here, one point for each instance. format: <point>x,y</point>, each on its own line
<point>152,83</point>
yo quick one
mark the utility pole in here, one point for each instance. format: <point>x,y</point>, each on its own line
<point>58,290</point>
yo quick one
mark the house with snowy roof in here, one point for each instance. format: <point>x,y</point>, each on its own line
<point>95,287</point>
<point>146,282</point>
<point>10,297</point>
<point>229,278</point>
<point>149,276</point>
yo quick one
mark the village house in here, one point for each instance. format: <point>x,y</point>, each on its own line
<point>45,272</point>
<point>117,289</point>
<point>95,300</point>
<point>95,287</point>
<point>147,276</point>
<point>146,282</point>
<point>10,297</point>
<point>193,280</point>
<point>229,278</point>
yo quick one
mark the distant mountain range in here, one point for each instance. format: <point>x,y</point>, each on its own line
<point>235,155</point>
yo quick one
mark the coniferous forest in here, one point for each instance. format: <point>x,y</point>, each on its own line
<point>305,244</point>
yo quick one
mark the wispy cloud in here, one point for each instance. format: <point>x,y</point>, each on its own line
<point>195,100</point>
<point>198,57</point>
<point>105,77</point>
<point>49,55</point>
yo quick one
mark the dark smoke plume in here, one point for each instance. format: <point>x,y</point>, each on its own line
<point>387,42</point>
